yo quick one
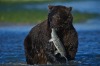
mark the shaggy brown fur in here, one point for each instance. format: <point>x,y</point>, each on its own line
<point>39,50</point>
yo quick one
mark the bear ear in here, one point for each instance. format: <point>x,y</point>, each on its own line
<point>50,7</point>
<point>70,8</point>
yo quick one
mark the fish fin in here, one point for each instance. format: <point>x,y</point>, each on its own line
<point>51,40</point>
<point>56,52</point>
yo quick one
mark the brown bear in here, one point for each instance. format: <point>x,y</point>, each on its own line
<point>39,50</point>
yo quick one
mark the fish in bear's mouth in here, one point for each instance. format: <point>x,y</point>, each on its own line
<point>58,44</point>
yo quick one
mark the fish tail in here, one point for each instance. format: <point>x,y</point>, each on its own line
<point>66,60</point>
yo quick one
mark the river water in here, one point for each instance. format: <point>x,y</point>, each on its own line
<point>12,37</point>
<point>12,50</point>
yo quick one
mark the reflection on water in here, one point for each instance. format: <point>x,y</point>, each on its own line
<point>90,6</point>
<point>81,6</point>
<point>11,43</point>
<point>84,6</point>
<point>92,24</point>
<point>12,50</point>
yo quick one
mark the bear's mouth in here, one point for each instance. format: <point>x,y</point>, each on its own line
<point>59,27</point>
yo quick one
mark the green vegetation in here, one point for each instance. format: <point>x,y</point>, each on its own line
<point>12,14</point>
<point>31,1</point>
<point>23,16</point>
<point>29,16</point>
<point>82,17</point>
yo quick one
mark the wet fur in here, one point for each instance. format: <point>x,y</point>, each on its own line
<point>38,50</point>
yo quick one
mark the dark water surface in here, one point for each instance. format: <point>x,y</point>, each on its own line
<point>12,48</point>
<point>90,6</point>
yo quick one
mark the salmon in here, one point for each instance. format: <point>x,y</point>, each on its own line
<point>58,44</point>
